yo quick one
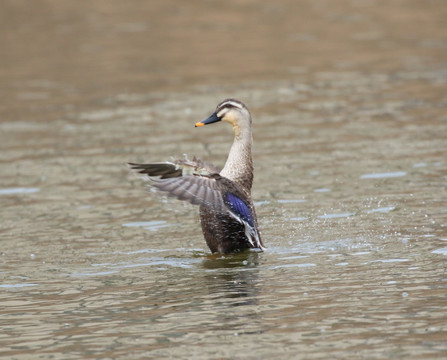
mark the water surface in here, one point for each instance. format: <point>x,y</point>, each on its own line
<point>349,106</point>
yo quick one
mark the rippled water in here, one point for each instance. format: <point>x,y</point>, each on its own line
<point>349,105</point>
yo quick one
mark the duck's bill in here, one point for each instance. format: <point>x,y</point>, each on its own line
<point>212,119</point>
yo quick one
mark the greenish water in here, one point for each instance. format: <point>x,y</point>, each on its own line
<point>349,112</point>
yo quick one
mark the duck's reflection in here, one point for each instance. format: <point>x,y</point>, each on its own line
<point>233,277</point>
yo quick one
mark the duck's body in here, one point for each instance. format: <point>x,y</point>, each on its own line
<point>227,213</point>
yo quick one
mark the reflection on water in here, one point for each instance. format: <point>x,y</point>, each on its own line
<point>349,127</point>
<point>383,175</point>
<point>12,191</point>
<point>334,216</point>
<point>442,251</point>
<point>233,277</point>
<point>243,259</point>
<point>148,225</point>
<point>14,286</point>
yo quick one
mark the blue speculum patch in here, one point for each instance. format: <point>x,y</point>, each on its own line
<point>240,208</point>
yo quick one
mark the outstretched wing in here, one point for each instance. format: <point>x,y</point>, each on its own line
<point>165,170</point>
<point>176,168</point>
<point>185,180</point>
<point>193,182</point>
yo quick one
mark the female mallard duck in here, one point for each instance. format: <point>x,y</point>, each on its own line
<point>227,213</point>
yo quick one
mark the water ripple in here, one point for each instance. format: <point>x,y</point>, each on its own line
<point>383,175</point>
<point>12,191</point>
<point>441,251</point>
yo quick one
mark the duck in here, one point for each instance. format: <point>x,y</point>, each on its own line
<point>226,210</point>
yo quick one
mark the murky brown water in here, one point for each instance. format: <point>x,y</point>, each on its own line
<point>349,100</point>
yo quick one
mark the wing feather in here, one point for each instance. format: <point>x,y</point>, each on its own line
<point>188,180</point>
<point>185,180</point>
<point>200,184</point>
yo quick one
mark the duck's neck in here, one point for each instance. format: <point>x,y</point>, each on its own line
<point>239,165</point>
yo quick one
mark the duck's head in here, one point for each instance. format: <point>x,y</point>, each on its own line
<point>232,111</point>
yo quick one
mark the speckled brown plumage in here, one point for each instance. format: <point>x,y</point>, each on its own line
<point>227,213</point>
